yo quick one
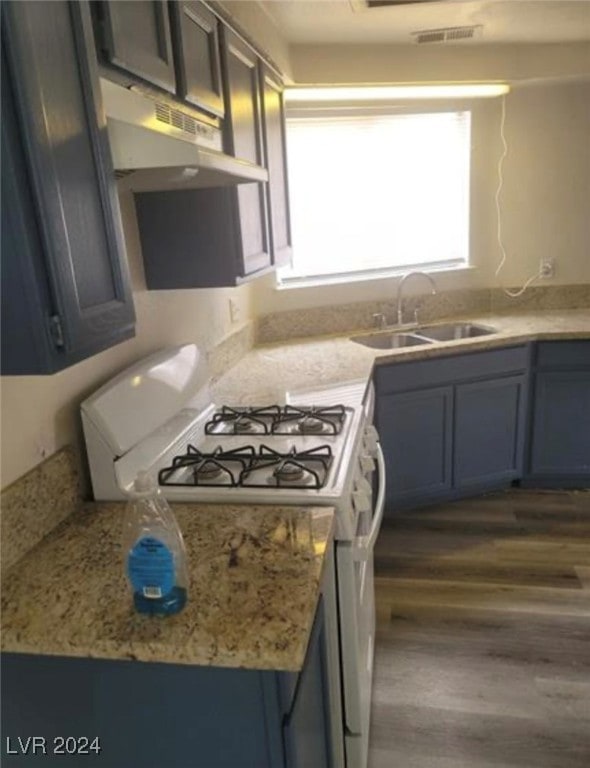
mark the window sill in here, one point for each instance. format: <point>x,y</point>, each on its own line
<point>352,279</point>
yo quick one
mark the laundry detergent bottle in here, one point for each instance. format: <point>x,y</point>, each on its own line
<point>154,552</point>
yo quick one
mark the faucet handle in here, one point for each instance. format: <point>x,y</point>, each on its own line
<point>379,320</point>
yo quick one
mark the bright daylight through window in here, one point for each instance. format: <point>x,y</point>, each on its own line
<point>372,194</point>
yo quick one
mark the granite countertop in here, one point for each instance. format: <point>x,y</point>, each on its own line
<point>276,372</point>
<point>68,596</point>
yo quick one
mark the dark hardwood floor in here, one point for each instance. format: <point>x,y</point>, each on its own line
<point>482,655</point>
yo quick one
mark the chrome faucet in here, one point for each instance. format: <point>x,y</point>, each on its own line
<point>399,302</point>
<point>379,320</point>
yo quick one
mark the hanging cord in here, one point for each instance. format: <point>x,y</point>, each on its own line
<point>507,291</point>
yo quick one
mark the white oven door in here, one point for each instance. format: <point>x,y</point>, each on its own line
<point>356,597</point>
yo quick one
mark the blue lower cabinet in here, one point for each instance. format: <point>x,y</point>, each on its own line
<point>560,420</point>
<point>306,727</point>
<point>415,429</point>
<point>452,426</point>
<point>489,430</point>
<point>129,714</point>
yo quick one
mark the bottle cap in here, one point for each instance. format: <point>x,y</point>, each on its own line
<point>144,485</point>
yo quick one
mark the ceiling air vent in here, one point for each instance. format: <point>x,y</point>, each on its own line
<point>447,34</point>
<point>385,3</point>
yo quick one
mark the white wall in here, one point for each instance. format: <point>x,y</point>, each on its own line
<point>261,28</point>
<point>544,201</point>
<point>40,414</point>
<point>436,62</point>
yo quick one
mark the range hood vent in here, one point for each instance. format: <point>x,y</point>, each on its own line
<point>157,147</point>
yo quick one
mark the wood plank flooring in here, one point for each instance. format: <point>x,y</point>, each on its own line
<point>482,656</point>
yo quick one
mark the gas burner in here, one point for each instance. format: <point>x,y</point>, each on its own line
<point>295,469</point>
<point>207,470</point>
<point>242,426</point>
<point>311,426</point>
<point>310,420</point>
<point>217,468</point>
<point>289,471</point>
<point>239,421</point>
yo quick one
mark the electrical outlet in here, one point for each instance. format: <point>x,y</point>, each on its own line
<point>547,268</point>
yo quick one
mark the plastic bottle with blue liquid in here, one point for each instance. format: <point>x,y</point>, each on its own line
<point>154,551</point>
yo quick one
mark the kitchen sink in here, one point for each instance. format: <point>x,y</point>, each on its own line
<point>453,331</point>
<point>424,335</point>
<point>390,340</point>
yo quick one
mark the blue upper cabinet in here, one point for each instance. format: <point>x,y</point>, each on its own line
<point>196,49</point>
<point>65,287</point>
<point>275,148</point>
<point>135,37</point>
<point>560,431</point>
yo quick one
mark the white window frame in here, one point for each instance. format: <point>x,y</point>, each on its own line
<point>298,110</point>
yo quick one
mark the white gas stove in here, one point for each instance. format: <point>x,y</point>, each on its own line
<point>316,448</point>
<point>158,417</point>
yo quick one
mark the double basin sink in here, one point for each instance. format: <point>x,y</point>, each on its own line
<point>424,335</point>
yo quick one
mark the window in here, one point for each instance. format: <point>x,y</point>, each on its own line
<point>373,194</point>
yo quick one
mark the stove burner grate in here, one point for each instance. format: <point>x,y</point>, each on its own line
<point>220,468</point>
<point>277,420</point>
<point>237,421</point>
<point>294,469</point>
<point>250,468</point>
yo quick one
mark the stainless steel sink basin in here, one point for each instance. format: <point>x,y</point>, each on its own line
<point>454,331</point>
<point>390,340</point>
<point>424,335</point>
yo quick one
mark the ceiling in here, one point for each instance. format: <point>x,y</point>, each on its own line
<point>496,21</point>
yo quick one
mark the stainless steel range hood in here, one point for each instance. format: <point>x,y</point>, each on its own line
<point>158,147</point>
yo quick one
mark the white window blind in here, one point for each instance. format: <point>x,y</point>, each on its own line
<point>378,193</point>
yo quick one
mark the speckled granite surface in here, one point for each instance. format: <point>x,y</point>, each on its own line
<point>36,503</point>
<point>272,373</point>
<point>231,349</point>
<point>69,596</point>
<point>345,318</point>
<point>342,318</point>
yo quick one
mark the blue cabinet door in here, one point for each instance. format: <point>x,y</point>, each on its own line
<point>306,728</point>
<point>489,432</point>
<point>560,441</point>
<point>416,435</point>
<point>154,715</point>
<point>196,48</point>
<point>65,287</point>
<point>135,36</point>
<point>145,715</point>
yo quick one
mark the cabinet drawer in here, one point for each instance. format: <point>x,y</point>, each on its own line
<point>563,353</point>
<point>397,377</point>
